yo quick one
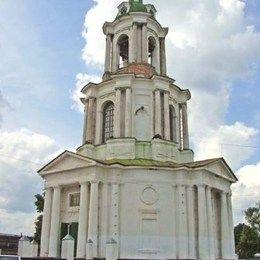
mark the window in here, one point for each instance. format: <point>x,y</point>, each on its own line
<point>74,199</point>
<point>173,127</point>
<point>108,121</point>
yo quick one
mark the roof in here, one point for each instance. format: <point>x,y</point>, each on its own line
<point>139,162</point>
<point>137,6</point>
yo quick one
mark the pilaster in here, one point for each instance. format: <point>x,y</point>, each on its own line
<point>163,57</point>
<point>182,223</point>
<point>117,116</point>
<point>166,116</point>
<point>231,226</point>
<point>191,222</point>
<point>211,235</point>
<point>93,217</point>
<point>158,113</point>
<point>83,220</point>
<point>225,231</point>
<point>46,221</point>
<point>108,53</point>
<point>202,223</point>
<point>55,223</point>
<point>128,113</point>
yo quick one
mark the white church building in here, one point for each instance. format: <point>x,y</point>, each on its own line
<point>134,182</point>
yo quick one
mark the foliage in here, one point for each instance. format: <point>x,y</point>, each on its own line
<point>252,216</point>
<point>248,244</point>
<point>247,236</point>
<point>238,231</point>
<point>39,203</point>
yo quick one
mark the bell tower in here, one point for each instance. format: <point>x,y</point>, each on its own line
<point>136,111</point>
<point>135,37</point>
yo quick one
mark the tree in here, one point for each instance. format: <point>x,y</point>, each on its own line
<point>39,203</point>
<point>247,236</point>
<point>252,216</point>
<point>247,246</point>
<point>237,232</point>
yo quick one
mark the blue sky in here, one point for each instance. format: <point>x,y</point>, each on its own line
<point>42,50</point>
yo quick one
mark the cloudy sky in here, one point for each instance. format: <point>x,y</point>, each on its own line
<point>49,48</point>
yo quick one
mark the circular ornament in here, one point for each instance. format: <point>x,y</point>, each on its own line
<point>149,195</point>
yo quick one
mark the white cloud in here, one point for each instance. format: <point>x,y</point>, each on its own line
<point>22,153</point>
<point>17,222</point>
<point>81,81</point>
<point>4,105</point>
<point>219,143</point>
<point>247,191</point>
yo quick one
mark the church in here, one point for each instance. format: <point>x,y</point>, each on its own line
<point>134,182</point>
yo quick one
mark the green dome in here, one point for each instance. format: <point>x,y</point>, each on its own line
<point>137,6</point>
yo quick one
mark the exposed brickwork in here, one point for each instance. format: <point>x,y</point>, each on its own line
<point>143,69</point>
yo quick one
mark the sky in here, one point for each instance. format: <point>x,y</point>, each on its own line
<point>50,48</point>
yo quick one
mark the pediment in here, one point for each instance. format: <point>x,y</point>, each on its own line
<point>66,161</point>
<point>221,169</point>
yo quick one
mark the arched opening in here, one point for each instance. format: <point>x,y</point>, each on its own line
<point>173,124</point>
<point>123,49</point>
<point>108,121</point>
<point>151,50</point>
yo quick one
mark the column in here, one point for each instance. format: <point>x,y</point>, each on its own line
<point>55,223</point>
<point>133,50</point>
<point>225,233</point>
<point>158,113</point>
<point>185,126</point>
<point>93,217</point>
<point>191,222</point>
<point>211,235</point>
<point>85,122</point>
<point>46,223</point>
<point>144,44</point>
<point>114,218</point>
<point>115,55</point>
<point>83,220</point>
<point>98,126</point>
<point>108,53</point>
<point>202,223</point>
<point>182,223</point>
<point>139,43</point>
<point>90,120</point>
<point>166,116</point>
<point>231,227</point>
<point>128,112</point>
<point>163,56</point>
<point>117,115</point>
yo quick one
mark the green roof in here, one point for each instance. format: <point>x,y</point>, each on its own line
<point>137,6</point>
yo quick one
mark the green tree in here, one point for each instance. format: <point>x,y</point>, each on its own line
<point>247,245</point>
<point>252,216</point>
<point>237,232</point>
<point>247,236</point>
<point>39,203</point>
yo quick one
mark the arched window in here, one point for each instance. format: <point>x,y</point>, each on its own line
<point>123,48</point>
<point>108,121</point>
<point>151,50</point>
<point>173,125</point>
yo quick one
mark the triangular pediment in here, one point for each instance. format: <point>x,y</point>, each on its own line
<point>221,169</point>
<point>67,161</point>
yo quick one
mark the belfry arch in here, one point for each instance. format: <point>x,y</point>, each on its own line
<point>123,51</point>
